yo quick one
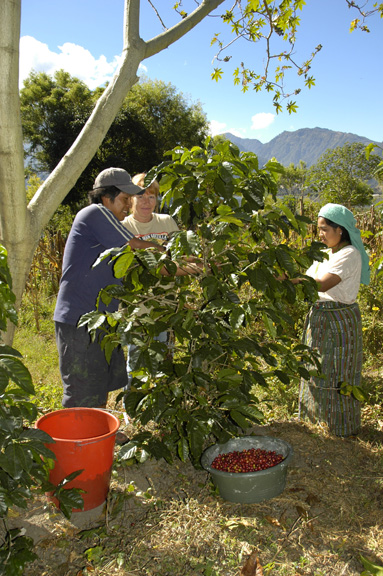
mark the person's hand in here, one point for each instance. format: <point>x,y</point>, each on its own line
<point>282,277</point>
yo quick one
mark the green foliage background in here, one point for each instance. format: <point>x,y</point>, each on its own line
<point>153,118</point>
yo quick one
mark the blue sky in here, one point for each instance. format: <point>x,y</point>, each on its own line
<point>85,38</point>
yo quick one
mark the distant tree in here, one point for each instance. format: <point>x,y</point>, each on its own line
<point>54,109</point>
<point>293,179</point>
<point>378,172</point>
<point>53,112</point>
<point>153,118</point>
<point>341,175</point>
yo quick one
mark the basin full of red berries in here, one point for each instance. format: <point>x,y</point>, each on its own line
<point>250,468</point>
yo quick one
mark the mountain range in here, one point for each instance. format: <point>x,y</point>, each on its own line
<point>306,144</point>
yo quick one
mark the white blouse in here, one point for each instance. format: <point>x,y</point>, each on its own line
<point>347,264</point>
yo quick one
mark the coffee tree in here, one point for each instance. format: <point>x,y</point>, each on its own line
<point>229,322</point>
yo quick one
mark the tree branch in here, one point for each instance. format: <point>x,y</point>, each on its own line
<point>173,34</point>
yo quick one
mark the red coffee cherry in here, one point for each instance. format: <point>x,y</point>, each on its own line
<point>251,460</point>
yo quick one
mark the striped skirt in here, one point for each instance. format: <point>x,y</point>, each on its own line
<point>335,330</point>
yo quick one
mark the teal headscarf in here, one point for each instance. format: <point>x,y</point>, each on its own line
<point>344,217</point>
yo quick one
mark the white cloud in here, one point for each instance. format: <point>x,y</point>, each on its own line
<point>217,127</point>
<point>221,128</point>
<point>236,132</point>
<point>262,120</point>
<point>79,62</point>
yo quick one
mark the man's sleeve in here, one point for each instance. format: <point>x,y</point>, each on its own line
<point>108,229</point>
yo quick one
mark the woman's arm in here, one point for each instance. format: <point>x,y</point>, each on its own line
<point>327,281</point>
<point>138,244</point>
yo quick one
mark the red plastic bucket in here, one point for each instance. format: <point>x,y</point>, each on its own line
<point>84,440</point>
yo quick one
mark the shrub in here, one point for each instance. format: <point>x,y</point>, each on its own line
<point>230,323</point>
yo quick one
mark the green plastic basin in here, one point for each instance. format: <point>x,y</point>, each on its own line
<point>248,487</point>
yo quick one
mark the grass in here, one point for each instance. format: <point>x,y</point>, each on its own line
<point>40,353</point>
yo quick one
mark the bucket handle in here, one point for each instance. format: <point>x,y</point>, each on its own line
<point>79,444</point>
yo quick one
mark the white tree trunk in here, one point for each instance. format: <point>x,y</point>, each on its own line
<point>21,225</point>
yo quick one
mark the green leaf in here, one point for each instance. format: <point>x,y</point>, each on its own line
<point>95,554</point>
<point>252,413</point>
<point>217,74</point>
<point>197,433</point>
<point>237,317</point>
<point>373,568</point>
<point>127,451</point>
<point>285,260</point>
<point>282,377</point>
<point>183,449</point>
<point>122,264</point>
<point>258,279</point>
<point>359,394</point>
<point>93,319</point>
<point>69,499</point>
<point>17,372</point>
<point>239,419</point>
<point>210,286</point>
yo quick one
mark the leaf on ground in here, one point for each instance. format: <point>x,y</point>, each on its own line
<point>232,524</point>
<point>312,499</point>
<point>252,566</point>
<point>273,521</point>
<point>302,512</point>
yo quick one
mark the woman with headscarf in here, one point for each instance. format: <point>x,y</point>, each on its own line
<point>333,325</point>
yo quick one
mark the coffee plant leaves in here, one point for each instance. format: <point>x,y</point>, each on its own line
<point>258,279</point>
<point>372,568</point>
<point>183,449</point>
<point>13,368</point>
<point>239,419</point>
<point>356,391</point>
<point>159,450</point>
<point>123,263</point>
<point>197,433</point>
<point>282,377</point>
<point>232,326</point>
<point>237,318</point>
<point>290,216</point>
<point>252,413</point>
<point>285,260</point>
<point>9,351</point>
<point>15,553</point>
<point>93,320</point>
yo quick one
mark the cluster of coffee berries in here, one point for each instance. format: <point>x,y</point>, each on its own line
<point>251,460</point>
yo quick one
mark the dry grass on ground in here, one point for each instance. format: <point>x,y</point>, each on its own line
<point>167,520</point>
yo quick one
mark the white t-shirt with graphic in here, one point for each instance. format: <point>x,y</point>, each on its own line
<point>347,264</point>
<point>157,230</point>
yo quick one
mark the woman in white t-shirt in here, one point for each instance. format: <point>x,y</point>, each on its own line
<point>143,221</point>
<point>146,224</point>
<point>333,326</point>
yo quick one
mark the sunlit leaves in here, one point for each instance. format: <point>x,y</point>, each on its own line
<point>291,107</point>
<point>217,74</point>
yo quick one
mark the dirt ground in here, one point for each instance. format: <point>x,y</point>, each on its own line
<point>167,519</point>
